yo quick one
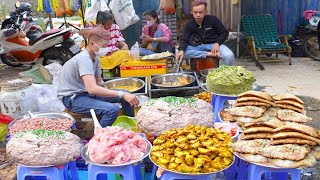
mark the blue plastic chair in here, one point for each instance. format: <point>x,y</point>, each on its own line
<point>128,171</point>
<point>217,102</point>
<point>255,172</point>
<point>174,176</point>
<point>49,172</point>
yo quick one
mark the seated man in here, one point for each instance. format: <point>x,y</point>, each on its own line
<point>81,87</point>
<point>156,37</point>
<point>203,36</point>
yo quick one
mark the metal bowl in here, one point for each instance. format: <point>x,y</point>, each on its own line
<point>204,73</point>
<point>112,84</point>
<point>159,81</point>
<point>85,156</point>
<point>53,115</point>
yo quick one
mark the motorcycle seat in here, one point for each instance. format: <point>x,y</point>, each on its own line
<point>47,33</point>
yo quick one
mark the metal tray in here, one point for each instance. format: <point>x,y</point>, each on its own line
<point>199,174</point>
<point>39,114</point>
<point>164,57</point>
<point>269,165</point>
<point>85,156</point>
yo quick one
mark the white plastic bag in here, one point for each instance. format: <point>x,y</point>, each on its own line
<point>54,69</point>
<point>46,99</point>
<point>92,11</point>
<point>135,51</point>
<point>123,12</point>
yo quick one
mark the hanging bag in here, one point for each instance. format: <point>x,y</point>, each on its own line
<point>92,11</point>
<point>124,13</point>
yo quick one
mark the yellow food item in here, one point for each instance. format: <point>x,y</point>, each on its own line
<point>128,88</point>
<point>204,96</point>
<point>193,149</point>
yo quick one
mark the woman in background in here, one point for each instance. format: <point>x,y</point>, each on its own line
<point>156,37</point>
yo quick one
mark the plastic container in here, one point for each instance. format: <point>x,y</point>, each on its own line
<point>16,97</point>
<point>126,122</point>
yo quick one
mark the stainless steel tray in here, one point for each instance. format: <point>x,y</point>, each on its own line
<point>199,174</point>
<point>50,115</point>
<point>85,156</point>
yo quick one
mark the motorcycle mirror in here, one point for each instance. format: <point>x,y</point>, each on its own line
<point>17,4</point>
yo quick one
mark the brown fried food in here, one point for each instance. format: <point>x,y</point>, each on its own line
<point>290,115</point>
<point>305,129</point>
<point>227,117</point>
<point>291,103</point>
<point>253,130</point>
<point>273,123</point>
<point>258,94</point>
<point>282,135</point>
<point>254,158</point>
<point>252,103</point>
<point>285,106</point>
<point>287,151</point>
<point>309,161</point>
<point>272,111</point>
<point>256,136</point>
<point>254,99</point>
<point>246,111</point>
<point>316,152</point>
<point>290,97</point>
<point>250,146</point>
<point>293,141</point>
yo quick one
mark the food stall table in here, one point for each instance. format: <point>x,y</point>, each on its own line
<point>143,68</point>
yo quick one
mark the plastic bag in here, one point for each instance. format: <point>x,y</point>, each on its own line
<point>47,100</point>
<point>124,13</point>
<point>4,121</point>
<point>135,51</point>
<point>92,11</point>
<point>54,70</point>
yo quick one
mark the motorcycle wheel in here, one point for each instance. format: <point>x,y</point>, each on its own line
<point>60,55</point>
<point>311,47</point>
<point>9,61</point>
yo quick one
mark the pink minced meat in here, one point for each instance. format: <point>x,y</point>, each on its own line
<point>44,123</point>
<point>115,145</point>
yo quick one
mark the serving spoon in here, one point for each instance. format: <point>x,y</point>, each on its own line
<point>95,119</point>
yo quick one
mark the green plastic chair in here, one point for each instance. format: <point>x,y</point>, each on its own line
<point>263,38</point>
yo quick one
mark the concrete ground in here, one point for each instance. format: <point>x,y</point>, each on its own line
<point>302,78</point>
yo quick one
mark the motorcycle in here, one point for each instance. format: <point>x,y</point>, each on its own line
<point>21,15</point>
<point>311,44</point>
<point>54,45</point>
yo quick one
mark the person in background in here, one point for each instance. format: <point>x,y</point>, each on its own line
<point>81,87</point>
<point>203,36</point>
<point>156,37</point>
<point>116,42</point>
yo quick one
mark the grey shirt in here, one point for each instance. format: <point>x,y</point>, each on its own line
<point>70,81</point>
